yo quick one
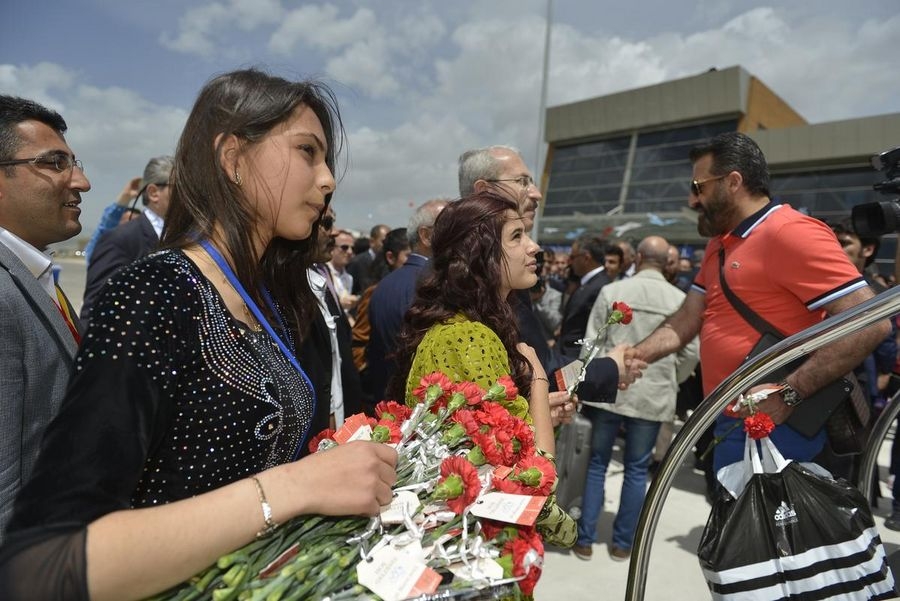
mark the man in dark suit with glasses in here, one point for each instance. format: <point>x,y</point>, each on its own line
<point>127,243</point>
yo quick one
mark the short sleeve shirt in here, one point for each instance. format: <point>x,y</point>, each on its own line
<point>784,265</point>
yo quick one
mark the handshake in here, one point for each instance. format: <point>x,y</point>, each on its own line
<point>628,363</point>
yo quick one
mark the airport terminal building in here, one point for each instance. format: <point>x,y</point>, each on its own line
<point>618,164</point>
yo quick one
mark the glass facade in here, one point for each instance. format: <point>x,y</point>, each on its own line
<point>652,167</point>
<point>828,195</point>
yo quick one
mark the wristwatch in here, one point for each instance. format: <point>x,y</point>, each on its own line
<point>790,396</point>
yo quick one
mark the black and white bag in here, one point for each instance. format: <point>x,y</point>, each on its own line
<point>785,530</point>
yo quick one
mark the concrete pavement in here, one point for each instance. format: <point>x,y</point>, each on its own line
<point>674,573</point>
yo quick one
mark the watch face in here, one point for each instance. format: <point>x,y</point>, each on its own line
<point>790,397</point>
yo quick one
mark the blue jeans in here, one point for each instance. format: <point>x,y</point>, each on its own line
<point>640,436</point>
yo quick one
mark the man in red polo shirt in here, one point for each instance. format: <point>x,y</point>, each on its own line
<point>786,266</point>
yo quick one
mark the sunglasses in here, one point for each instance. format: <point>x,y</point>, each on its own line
<point>327,222</point>
<point>345,247</point>
<point>697,187</point>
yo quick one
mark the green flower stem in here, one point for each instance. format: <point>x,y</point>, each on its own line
<point>720,438</point>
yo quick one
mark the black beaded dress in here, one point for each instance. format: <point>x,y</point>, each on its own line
<point>171,398</point>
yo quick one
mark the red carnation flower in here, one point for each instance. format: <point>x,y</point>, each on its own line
<point>492,415</point>
<point>467,419</point>
<point>496,446</point>
<point>522,438</point>
<point>536,474</point>
<point>392,410</point>
<point>490,529</point>
<point>621,313</point>
<point>509,486</point>
<point>327,434</point>
<point>433,388</point>
<point>527,552</point>
<point>472,391</point>
<point>459,485</point>
<point>504,389</point>
<point>386,430</point>
<point>758,425</point>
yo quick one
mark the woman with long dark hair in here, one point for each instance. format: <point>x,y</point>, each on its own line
<point>180,434</point>
<point>462,324</point>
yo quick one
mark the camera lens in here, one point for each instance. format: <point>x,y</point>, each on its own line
<point>876,218</point>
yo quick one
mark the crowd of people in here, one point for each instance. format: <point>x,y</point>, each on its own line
<point>233,318</point>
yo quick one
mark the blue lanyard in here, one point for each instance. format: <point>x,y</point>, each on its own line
<point>257,313</point>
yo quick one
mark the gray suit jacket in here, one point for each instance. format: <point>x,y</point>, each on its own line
<point>36,358</point>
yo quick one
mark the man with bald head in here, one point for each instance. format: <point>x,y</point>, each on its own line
<point>640,409</point>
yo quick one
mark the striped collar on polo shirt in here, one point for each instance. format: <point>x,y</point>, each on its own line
<point>746,226</point>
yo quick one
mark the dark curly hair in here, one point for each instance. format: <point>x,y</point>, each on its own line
<point>466,266</point>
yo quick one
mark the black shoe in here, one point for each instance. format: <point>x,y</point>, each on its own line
<point>893,522</point>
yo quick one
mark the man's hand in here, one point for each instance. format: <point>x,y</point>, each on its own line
<point>629,369</point>
<point>772,404</point>
<point>129,192</point>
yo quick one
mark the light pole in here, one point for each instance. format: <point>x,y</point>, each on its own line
<point>539,149</point>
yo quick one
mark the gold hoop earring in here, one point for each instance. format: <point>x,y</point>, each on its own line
<point>237,178</point>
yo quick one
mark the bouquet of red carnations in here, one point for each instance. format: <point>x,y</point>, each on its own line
<point>470,487</point>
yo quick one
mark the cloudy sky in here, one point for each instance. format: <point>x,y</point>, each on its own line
<point>419,81</point>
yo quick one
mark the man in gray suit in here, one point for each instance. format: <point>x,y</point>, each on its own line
<point>40,189</point>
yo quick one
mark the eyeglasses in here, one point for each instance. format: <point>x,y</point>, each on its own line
<point>60,161</point>
<point>345,247</point>
<point>697,187</point>
<point>525,181</point>
<point>327,222</point>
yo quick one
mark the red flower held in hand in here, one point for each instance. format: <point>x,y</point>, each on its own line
<point>327,434</point>
<point>537,474</point>
<point>621,313</point>
<point>386,430</point>
<point>392,410</point>
<point>758,425</point>
<point>503,390</point>
<point>527,552</point>
<point>433,388</point>
<point>471,391</point>
<point>459,485</point>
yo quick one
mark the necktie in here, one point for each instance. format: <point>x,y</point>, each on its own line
<point>63,305</point>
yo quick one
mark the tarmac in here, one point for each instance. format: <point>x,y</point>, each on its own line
<point>674,572</point>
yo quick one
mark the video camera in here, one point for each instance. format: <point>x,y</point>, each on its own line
<point>878,218</point>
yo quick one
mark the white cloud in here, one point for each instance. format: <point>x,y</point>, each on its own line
<point>114,131</point>
<point>207,29</point>
<point>365,65</point>
<point>421,82</point>
<point>796,55</point>
<point>393,170</point>
<point>320,27</point>
<point>41,83</point>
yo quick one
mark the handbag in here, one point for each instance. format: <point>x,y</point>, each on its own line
<point>840,406</point>
<point>785,530</point>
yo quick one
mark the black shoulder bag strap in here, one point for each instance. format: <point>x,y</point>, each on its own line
<point>750,316</point>
<point>849,433</point>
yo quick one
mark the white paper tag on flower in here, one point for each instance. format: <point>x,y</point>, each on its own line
<point>513,509</point>
<point>481,569</point>
<point>567,375</point>
<point>356,427</point>
<point>392,513</point>
<point>394,575</point>
<point>411,547</point>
